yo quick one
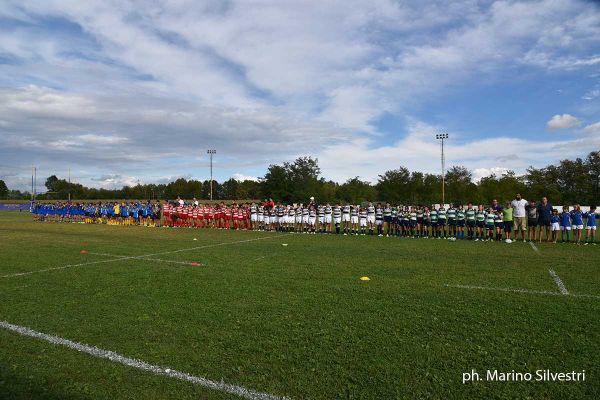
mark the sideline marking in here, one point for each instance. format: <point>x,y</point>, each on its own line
<point>559,282</point>
<point>517,290</point>
<point>142,256</point>
<point>149,259</point>
<point>142,365</point>
<point>534,247</point>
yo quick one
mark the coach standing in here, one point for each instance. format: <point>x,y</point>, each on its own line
<point>544,213</point>
<point>519,215</point>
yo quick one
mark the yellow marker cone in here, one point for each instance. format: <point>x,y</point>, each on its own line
<point>365,278</point>
<point>284,244</point>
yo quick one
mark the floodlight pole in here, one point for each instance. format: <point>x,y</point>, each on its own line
<point>441,137</point>
<point>211,153</point>
<point>69,184</point>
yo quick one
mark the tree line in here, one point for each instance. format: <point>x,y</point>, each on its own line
<point>568,182</point>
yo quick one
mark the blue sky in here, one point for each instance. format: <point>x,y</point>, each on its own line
<point>121,91</point>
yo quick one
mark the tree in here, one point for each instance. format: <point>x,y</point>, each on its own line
<point>459,185</point>
<point>356,191</point>
<point>394,186</point>
<point>51,183</point>
<point>3,190</point>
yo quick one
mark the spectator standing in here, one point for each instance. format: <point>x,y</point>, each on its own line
<point>519,205</point>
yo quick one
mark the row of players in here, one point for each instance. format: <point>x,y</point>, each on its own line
<point>477,223</point>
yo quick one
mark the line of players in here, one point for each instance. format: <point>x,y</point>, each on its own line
<point>110,213</point>
<point>459,222</point>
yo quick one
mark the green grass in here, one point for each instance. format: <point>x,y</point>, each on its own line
<point>294,320</point>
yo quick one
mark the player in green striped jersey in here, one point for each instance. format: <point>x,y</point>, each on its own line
<point>470,216</point>
<point>433,219</point>
<point>460,222</point>
<point>480,222</point>
<point>490,227</point>
<point>451,213</point>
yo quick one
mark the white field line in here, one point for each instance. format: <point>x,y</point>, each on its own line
<point>516,290</point>
<point>534,247</point>
<point>141,365</point>
<point>141,256</point>
<point>559,282</point>
<point>149,259</point>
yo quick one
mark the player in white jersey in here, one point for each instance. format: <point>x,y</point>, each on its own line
<point>312,218</point>
<point>254,216</point>
<point>328,218</point>
<point>362,214</point>
<point>305,219</point>
<point>354,219</point>
<point>321,218</point>
<point>346,218</point>
<point>371,218</point>
<point>337,217</point>
<point>379,219</point>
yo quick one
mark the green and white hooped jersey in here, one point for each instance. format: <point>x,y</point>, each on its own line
<point>413,216</point>
<point>460,215</point>
<point>480,216</point>
<point>394,212</point>
<point>452,213</point>
<point>433,216</point>
<point>470,214</point>
<point>490,218</point>
<point>420,213</point>
<point>441,213</point>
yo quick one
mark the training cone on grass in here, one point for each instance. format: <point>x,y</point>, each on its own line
<point>284,244</point>
<point>195,239</point>
<point>195,264</point>
<point>83,251</point>
<point>365,278</point>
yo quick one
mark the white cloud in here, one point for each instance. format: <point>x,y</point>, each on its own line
<point>592,128</point>
<point>479,173</point>
<point>563,121</point>
<point>241,177</point>
<point>591,95</point>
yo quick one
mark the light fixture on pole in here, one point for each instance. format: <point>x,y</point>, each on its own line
<point>211,153</point>
<point>442,137</point>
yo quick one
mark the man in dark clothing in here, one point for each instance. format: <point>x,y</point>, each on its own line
<point>544,213</point>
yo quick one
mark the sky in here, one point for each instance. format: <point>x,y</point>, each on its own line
<point>121,92</point>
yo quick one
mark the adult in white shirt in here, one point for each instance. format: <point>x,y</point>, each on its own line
<point>519,205</point>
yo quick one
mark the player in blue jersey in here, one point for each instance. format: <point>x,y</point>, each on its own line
<point>577,218</point>
<point>590,226</point>
<point>565,224</point>
<point>554,224</point>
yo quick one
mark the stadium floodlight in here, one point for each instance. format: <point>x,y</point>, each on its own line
<point>211,152</point>
<point>442,137</point>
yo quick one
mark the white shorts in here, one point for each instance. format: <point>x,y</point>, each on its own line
<point>363,222</point>
<point>273,219</point>
<point>354,219</point>
<point>592,228</point>
<point>253,217</point>
<point>337,220</point>
<point>321,219</point>
<point>554,226</point>
<point>266,219</point>
<point>345,217</point>
<point>312,220</point>
<point>298,219</point>
<point>328,219</point>
<point>565,228</point>
<point>371,219</point>
<point>378,222</point>
<point>577,226</point>
<point>305,219</point>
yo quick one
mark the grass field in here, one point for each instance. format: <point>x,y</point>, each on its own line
<point>291,320</point>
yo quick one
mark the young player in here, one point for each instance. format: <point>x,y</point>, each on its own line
<point>354,223</point>
<point>451,214</point>
<point>577,218</point>
<point>470,220</point>
<point>490,219</point>
<point>554,224</point>
<point>433,220</point>
<point>480,218</point>
<point>379,219</point>
<point>532,220</point>
<point>371,218</point>
<point>363,220</point>
<point>460,222</point>
<point>328,218</point>
<point>337,217</point>
<point>346,218</point>
<point>507,215</point>
<point>499,224</point>
<point>565,224</point>
<point>442,218</point>
<point>387,219</point>
<point>590,226</point>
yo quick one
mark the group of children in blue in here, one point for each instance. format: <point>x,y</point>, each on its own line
<point>132,213</point>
